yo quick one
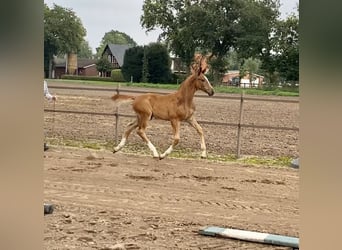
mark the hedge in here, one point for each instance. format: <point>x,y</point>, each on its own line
<point>117,76</point>
<point>87,78</point>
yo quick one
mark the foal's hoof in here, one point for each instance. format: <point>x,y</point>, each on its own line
<point>162,156</point>
<point>156,157</point>
<point>204,156</point>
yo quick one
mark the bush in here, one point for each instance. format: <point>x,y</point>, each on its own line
<point>87,78</point>
<point>116,76</point>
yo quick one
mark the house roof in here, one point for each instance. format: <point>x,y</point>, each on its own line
<point>81,62</point>
<point>118,50</point>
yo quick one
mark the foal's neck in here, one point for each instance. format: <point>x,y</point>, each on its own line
<point>187,89</point>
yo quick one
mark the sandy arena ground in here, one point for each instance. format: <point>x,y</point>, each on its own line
<point>132,201</point>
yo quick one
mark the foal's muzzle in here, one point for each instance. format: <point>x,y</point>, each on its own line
<point>211,92</point>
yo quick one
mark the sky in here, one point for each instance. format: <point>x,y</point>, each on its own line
<point>101,16</point>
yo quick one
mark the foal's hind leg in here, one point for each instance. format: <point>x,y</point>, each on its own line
<point>192,121</point>
<point>130,127</point>
<point>141,132</point>
<point>175,126</point>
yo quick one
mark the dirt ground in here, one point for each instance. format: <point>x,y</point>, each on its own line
<point>132,201</point>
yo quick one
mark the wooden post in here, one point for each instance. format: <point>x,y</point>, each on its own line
<point>239,126</point>
<point>53,119</point>
<point>117,116</point>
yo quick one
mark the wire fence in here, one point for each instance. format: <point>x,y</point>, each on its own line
<point>239,125</point>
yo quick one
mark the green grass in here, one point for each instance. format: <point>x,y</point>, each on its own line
<point>268,161</point>
<point>218,89</point>
<point>255,91</point>
<point>179,153</point>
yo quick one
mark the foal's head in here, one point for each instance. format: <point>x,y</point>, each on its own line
<point>202,82</point>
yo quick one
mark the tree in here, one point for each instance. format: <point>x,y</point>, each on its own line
<point>214,27</point>
<point>63,32</point>
<point>150,63</point>
<point>257,22</point>
<point>85,50</point>
<point>167,16</point>
<point>114,37</point>
<point>133,63</point>
<point>286,48</point>
<point>145,73</point>
<point>50,42</point>
<point>103,66</point>
<point>250,67</point>
<point>159,62</point>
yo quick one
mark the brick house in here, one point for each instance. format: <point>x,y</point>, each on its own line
<point>85,67</point>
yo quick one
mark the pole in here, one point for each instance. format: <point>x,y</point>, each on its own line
<point>239,125</point>
<point>272,239</point>
<point>117,116</point>
<point>53,118</point>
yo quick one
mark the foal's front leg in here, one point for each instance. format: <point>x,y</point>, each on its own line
<point>175,126</point>
<point>192,121</point>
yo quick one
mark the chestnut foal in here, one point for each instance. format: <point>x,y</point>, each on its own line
<point>174,107</point>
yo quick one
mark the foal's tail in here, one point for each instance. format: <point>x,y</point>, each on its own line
<point>122,99</point>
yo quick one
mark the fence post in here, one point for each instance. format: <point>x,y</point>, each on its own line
<point>239,125</point>
<point>117,116</point>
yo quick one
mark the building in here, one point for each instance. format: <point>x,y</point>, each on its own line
<point>85,67</point>
<point>115,54</point>
<point>232,78</point>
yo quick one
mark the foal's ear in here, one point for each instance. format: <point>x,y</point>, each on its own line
<point>202,70</point>
<point>203,65</point>
<point>199,70</point>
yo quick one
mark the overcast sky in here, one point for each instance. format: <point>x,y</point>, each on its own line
<point>101,16</point>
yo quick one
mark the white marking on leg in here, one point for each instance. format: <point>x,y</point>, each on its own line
<point>203,147</point>
<point>192,121</point>
<point>121,144</point>
<point>167,152</point>
<point>153,149</point>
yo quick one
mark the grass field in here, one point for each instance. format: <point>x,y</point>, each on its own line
<point>269,91</point>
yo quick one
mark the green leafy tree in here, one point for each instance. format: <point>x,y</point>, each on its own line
<point>250,66</point>
<point>214,27</point>
<point>169,16</point>
<point>257,22</point>
<point>85,50</point>
<point>50,42</point>
<point>286,48</point>
<point>114,37</point>
<point>159,63</point>
<point>63,32</point>
<point>150,63</point>
<point>133,63</point>
<point>104,66</point>
<point>258,27</point>
<point>145,73</point>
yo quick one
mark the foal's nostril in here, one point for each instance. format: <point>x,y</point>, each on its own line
<point>211,93</point>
